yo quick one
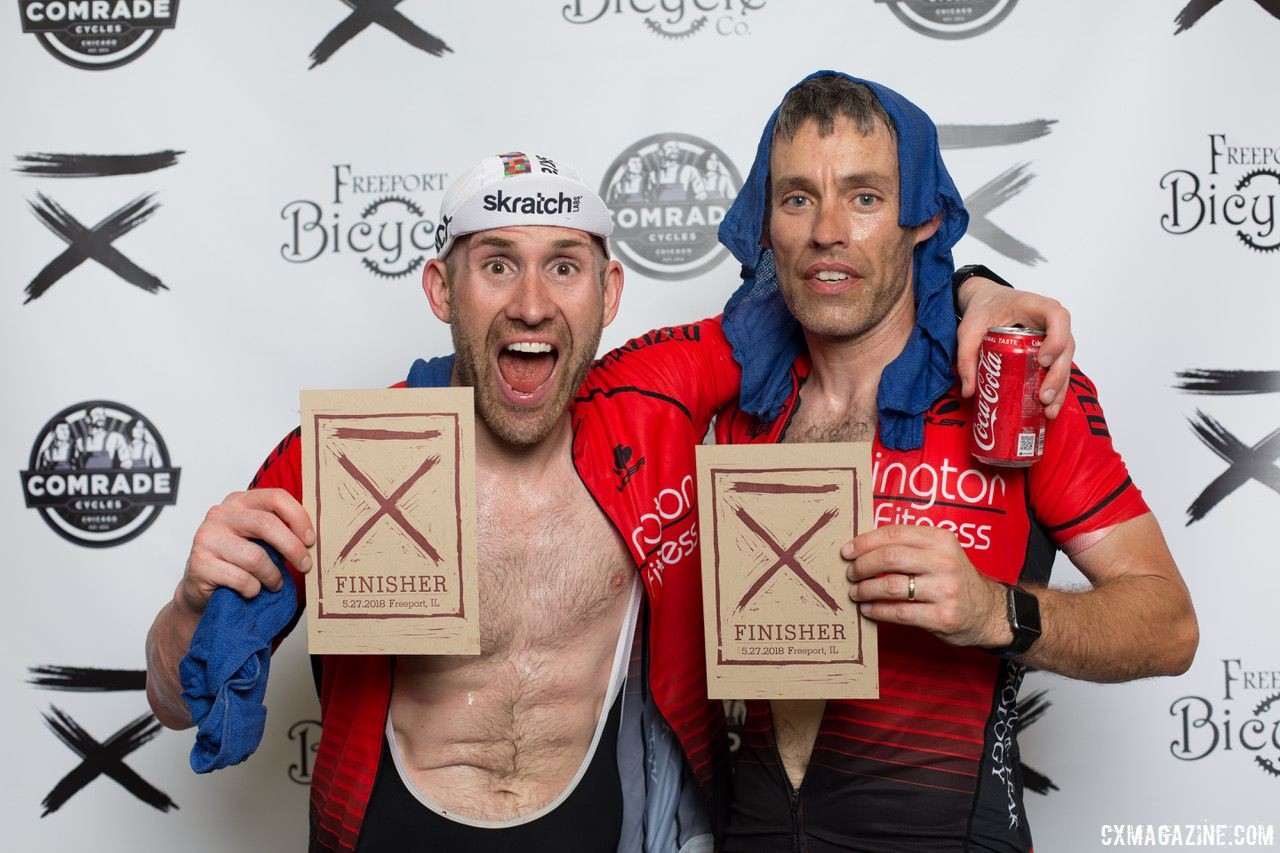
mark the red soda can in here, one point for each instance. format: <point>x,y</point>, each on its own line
<point>1008,420</point>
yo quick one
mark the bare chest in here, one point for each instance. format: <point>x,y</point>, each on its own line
<point>500,735</point>
<point>814,422</point>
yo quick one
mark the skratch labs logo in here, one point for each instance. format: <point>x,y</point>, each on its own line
<point>668,194</point>
<point>1204,729</point>
<point>671,19</point>
<point>950,19</point>
<point>97,34</point>
<point>99,474</point>
<point>1241,197</point>
<point>379,218</point>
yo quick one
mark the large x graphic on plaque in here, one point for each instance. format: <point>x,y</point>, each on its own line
<point>387,504</point>
<point>787,556</point>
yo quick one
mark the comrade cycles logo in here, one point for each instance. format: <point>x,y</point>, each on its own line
<point>1203,728</point>
<point>379,218</point>
<point>1241,197</point>
<point>1246,462</point>
<point>668,194</point>
<point>99,474</point>
<point>97,34</point>
<point>671,19</point>
<point>950,19</point>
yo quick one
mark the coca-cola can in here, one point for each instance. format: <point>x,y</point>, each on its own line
<point>1008,420</point>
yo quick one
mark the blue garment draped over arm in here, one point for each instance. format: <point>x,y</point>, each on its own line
<point>224,673</point>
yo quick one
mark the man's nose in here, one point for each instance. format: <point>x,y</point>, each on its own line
<point>531,300</point>
<point>830,225</point>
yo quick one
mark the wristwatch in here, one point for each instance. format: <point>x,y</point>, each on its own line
<point>1024,621</point>
<point>965,273</point>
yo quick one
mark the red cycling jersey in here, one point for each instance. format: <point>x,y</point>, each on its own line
<point>642,410</point>
<point>933,763</point>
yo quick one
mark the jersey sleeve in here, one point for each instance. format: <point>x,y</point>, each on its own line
<point>282,469</point>
<point>1081,486</point>
<point>692,364</point>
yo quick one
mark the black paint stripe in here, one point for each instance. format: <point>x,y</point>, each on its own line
<point>991,135</point>
<point>1226,382</point>
<point>87,679</point>
<point>95,165</point>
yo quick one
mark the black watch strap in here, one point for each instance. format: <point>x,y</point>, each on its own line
<point>1023,612</point>
<point>967,272</point>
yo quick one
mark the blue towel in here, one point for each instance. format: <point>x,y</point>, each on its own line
<point>224,673</point>
<point>766,339</point>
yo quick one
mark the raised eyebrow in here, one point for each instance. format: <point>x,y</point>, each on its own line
<point>495,243</point>
<point>790,183</point>
<point>876,180</point>
<point>570,243</point>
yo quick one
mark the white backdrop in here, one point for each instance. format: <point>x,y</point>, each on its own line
<point>1087,207</point>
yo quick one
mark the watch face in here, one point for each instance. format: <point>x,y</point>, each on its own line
<point>1025,611</point>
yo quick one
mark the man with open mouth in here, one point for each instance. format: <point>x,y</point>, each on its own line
<point>583,725</point>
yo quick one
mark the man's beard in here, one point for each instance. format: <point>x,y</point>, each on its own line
<point>514,425</point>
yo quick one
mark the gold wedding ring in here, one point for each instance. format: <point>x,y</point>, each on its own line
<point>911,587</point>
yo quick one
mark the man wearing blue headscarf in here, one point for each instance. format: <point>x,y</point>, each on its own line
<point>845,331</point>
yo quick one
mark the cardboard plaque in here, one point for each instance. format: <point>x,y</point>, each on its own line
<point>388,477</point>
<point>779,623</point>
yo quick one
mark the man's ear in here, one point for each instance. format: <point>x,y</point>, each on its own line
<point>435,283</point>
<point>927,230</point>
<point>613,280</point>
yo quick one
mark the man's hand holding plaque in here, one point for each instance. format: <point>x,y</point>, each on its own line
<point>778,619</point>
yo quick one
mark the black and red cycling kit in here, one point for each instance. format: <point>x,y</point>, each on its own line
<point>933,764</point>
<point>642,410</point>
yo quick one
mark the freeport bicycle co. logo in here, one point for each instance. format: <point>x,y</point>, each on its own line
<point>670,19</point>
<point>387,228</point>
<point>668,194</point>
<point>97,34</point>
<point>1239,191</point>
<point>950,19</point>
<point>1203,728</point>
<point>99,474</point>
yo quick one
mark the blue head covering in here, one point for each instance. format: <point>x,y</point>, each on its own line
<point>766,339</point>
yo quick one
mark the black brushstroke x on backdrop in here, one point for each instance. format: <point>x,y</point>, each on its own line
<point>1245,462</point>
<point>1196,9</point>
<point>92,243</point>
<point>384,14</point>
<point>1001,188</point>
<point>98,758</point>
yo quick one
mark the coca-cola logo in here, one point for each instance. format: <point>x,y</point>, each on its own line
<point>984,423</point>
